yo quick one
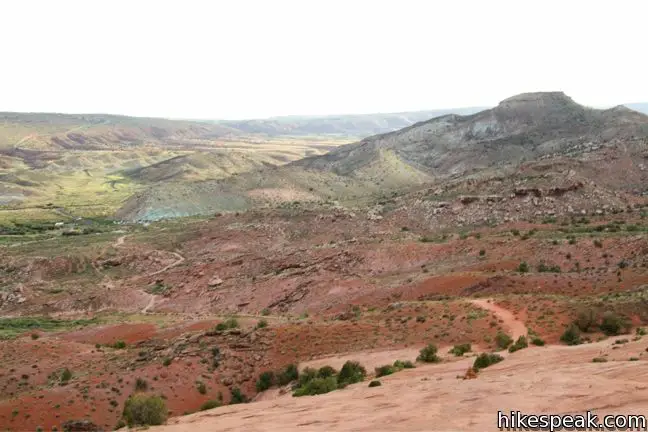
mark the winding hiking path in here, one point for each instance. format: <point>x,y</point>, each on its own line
<point>514,325</point>
<point>179,260</point>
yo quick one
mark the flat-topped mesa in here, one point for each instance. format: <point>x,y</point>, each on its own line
<point>537,103</point>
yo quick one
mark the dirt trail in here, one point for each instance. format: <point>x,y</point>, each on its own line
<point>152,297</point>
<point>515,326</point>
<point>179,260</point>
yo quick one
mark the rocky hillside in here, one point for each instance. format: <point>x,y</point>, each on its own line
<point>523,127</point>
<point>494,143</point>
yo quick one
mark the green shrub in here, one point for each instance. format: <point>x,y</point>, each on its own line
<point>523,267</point>
<point>429,354</point>
<point>598,243</point>
<point>166,361</point>
<point>262,324</point>
<point>537,341</point>
<point>641,331</point>
<point>485,359</point>
<point>482,252</point>
<point>141,384</point>
<point>229,323</point>
<point>326,371</point>
<point>265,381</point>
<point>289,374</point>
<point>585,319</point>
<point>461,349</point>
<point>66,375</point>
<point>399,364</point>
<point>521,343</point>
<point>385,370</point>
<point>599,360</point>
<point>120,344</point>
<point>317,386</point>
<point>613,324</point>
<point>265,312</point>
<point>351,372</point>
<point>308,374</point>
<point>503,340</point>
<point>210,404</point>
<point>237,397</point>
<point>571,336</point>
<point>201,387</point>
<point>142,410</point>
<point>375,383</point>
<point>544,268</point>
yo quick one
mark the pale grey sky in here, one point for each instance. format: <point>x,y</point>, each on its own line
<point>258,58</point>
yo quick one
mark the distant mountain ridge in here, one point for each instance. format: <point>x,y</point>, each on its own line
<point>355,125</point>
<point>522,128</point>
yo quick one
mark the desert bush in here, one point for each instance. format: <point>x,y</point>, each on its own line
<point>429,354</point>
<point>265,381</point>
<point>482,252</point>
<point>201,387</point>
<point>326,371</point>
<point>237,397</point>
<point>210,404</point>
<point>523,267</point>
<point>262,324</point>
<point>308,374</point>
<point>503,340</point>
<point>613,324</point>
<point>486,359</point>
<point>599,360</point>
<point>400,364</point>
<point>571,336</point>
<point>141,384</point>
<point>585,319</point>
<point>142,410</point>
<point>544,268</point>
<point>385,370</point>
<point>598,243</point>
<point>351,372</point>
<point>166,361</point>
<point>375,383</point>
<point>519,344</point>
<point>66,375</point>
<point>229,323</point>
<point>317,386</point>
<point>289,374</point>
<point>460,349</point>
<point>537,341</point>
<point>120,344</point>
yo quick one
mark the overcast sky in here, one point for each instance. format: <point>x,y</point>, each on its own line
<point>246,58</point>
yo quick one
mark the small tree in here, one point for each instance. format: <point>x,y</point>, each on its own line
<point>523,267</point>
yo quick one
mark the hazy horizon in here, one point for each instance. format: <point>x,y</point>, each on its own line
<point>259,59</point>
